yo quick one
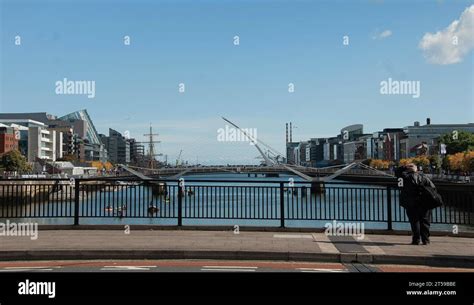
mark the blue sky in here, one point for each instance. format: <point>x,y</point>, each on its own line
<point>191,42</point>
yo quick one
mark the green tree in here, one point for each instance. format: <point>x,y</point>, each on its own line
<point>463,141</point>
<point>14,161</point>
<point>436,161</point>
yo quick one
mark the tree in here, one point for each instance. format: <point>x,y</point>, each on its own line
<point>470,161</point>
<point>405,161</point>
<point>108,166</point>
<point>460,141</point>
<point>436,162</point>
<point>380,164</point>
<point>462,162</point>
<point>15,161</point>
<point>421,160</point>
<point>456,162</point>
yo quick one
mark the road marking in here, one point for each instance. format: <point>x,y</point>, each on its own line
<point>27,267</point>
<point>292,236</point>
<point>324,243</point>
<point>229,268</point>
<point>125,268</point>
<point>20,269</point>
<point>320,270</point>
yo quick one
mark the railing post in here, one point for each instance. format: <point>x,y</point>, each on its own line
<point>180,204</point>
<point>389,208</point>
<point>282,206</point>
<point>76,201</point>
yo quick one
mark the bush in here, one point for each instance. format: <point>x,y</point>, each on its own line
<point>462,161</point>
<point>380,164</point>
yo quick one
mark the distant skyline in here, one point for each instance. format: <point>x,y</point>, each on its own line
<point>334,54</point>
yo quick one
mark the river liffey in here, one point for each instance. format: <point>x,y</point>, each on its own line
<point>230,200</point>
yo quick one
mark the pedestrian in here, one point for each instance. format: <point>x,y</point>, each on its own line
<point>410,198</point>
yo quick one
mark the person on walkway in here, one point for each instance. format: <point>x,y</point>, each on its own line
<point>410,199</point>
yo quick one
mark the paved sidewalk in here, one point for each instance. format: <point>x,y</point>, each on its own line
<point>186,244</point>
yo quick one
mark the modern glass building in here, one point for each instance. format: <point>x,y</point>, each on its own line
<point>92,148</point>
<point>91,133</point>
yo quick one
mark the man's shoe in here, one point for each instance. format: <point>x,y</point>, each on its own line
<point>415,242</point>
<point>426,242</point>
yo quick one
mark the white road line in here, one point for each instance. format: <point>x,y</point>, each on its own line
<point>292,236</point>
<point>20,270</point>
<point>27,267</point>
<point>320,270</point>
<point>124,268</point>
<point>230,267</point>
<point>232,270</point>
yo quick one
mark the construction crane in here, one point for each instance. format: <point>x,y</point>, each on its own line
<point>179,158</point>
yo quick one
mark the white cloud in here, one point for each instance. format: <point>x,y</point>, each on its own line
<point>385,34</point>
<point>382,35</point>
<point>450,45</point>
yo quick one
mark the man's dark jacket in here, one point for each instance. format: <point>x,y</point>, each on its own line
<point>410,192</point>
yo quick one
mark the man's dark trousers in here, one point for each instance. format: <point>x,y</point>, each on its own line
<point>419,218</point>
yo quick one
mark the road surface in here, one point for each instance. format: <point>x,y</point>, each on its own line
<point>208,266</point>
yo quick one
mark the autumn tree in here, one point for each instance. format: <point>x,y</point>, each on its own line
<point>380,164</point>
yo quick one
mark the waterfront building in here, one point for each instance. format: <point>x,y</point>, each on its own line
<point>426,136</point>
<point>36,139</point>
<point>316,151</point>
<point>351,132</point>
<point>390,144</point>
<point>290,152</point>
<point>67,137</point>
<point>137,152</point>
<point>9,137</point>
<point>44,144</point>
<point>41,117</point>
<point>118,147</point>
<point>356,149</point>
<point>296,155</point>
<point>332,150</point>
<point>90,147</point>
<point>385,145</point>
<point>303,154</point>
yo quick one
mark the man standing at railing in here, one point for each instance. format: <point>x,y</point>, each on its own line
<point>410,199</point>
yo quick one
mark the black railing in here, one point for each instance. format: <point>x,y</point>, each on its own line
<point>280,201</point>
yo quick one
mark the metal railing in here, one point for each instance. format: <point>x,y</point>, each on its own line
<point>279,201</point>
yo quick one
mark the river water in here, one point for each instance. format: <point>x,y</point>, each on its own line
<point>130,205</point>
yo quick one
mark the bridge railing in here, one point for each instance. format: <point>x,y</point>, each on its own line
<point>260,202</point>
